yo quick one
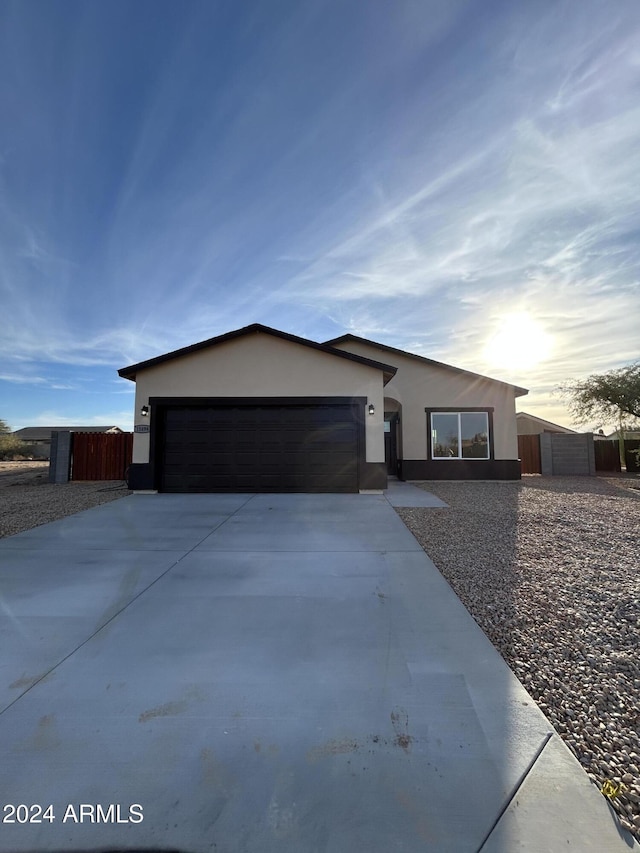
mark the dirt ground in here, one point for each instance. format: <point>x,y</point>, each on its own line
<point>28,499</point>
<point>23,465</point>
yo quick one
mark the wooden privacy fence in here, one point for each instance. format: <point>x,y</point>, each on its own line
<point>100,456</point>
<point>529,453</point>
<point>607,455</point>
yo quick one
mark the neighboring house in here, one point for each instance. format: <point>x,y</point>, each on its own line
<point>628,434</point>
<point>531,425</point>
<point>259,410</point>
<point>38,439</point>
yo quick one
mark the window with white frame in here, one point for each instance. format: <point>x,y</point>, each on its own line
<point>459,435</point>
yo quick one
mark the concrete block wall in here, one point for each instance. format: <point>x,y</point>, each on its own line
<point>567,454</point>
<point>60,459</point>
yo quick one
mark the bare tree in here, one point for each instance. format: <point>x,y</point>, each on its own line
<point>610,396</point>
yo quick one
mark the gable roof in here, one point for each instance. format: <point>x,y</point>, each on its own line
<point>549,424</point>
<point>518,391</point>
<point>255,328</point>
<point>43,433</point>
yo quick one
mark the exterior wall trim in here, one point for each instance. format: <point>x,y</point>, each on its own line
<point>461,469</point>
<point>141,476</point>
<point>373,475</point>
<point>257,401</point>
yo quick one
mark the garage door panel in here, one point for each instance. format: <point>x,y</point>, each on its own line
<point>270,465</point>
<point>219,483</point>
<point>317,468</point>
<point>222,418</point>
<point>245,458</point>
<point>296,440</point>
<point>194,483</point>
<point>213,449</point>
<point>260,448</point>
<point>243,445</point>
<point>245,439</point>
<point>297,417</point>
<point>268,444</point>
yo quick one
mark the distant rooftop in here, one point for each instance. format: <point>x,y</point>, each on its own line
<point>633,432</point>
<point>545,426</point>
<point>43,433</point>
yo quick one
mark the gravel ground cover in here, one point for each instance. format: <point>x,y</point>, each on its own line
<point>549,567</point>
<point>27,499</point>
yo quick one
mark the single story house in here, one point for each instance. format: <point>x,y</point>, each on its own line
<point>38,439</point>
<point>628,434</point>
<point>531,425</point>
<point>260,410</point>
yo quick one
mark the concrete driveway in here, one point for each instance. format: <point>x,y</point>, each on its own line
<point>265,673</point>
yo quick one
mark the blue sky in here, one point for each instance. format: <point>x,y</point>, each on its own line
<point>431,175</point>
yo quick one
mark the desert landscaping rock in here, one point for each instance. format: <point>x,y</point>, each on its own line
<point>550,570</point>
<point>27,499</point>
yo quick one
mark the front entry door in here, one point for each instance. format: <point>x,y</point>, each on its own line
<point>391,443</point>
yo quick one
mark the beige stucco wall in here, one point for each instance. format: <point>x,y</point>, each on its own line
<point>261,365</point>
<point>419,385</point>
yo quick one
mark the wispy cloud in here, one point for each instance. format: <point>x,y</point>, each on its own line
<point>21,379</point>
<point>412,174</point>
<point>543,218</point>
<point>53,417</point>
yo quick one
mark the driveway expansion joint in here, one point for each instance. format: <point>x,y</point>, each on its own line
<point>517,787</point>
<point>118,612</point>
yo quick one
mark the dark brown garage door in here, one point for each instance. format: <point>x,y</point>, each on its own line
<point>259,448</point>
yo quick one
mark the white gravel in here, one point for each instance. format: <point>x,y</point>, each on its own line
<point>549,567</point>
<point>27,499</point>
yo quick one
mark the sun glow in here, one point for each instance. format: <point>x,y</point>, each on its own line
<point>520,342</point>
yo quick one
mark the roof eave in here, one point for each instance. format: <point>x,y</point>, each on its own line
<point>518,391</point>
<point>131,372</point>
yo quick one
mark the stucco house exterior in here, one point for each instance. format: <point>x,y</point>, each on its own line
<point>260,410</point>
<point>447,423</point>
